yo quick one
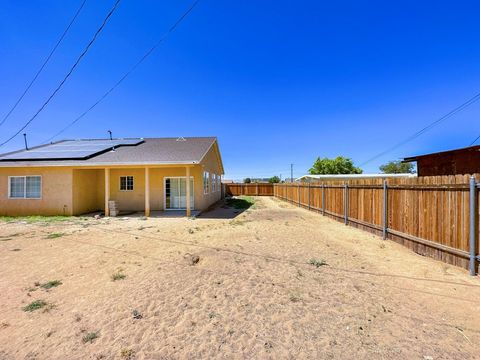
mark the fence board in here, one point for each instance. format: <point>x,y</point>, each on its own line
<point>429,215</point>
<point>256,189</point>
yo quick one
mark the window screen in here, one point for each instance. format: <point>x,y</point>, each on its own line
<point>206,182</point>
<point>33,187</point>
<point>25,187</point>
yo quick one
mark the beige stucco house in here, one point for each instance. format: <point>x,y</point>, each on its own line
<point>73,177</point>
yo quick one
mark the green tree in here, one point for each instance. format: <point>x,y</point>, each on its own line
<point>247,180</point>
<point>339,165</point>
<point>274,180</point>
<point>397,167</point>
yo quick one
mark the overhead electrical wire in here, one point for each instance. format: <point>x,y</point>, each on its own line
<point>474,141</point>
<point>44,63</point>
<point>131,70</point>
<point>426,128</point>
<point>84,52</point>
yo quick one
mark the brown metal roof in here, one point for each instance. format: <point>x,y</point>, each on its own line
<point>151,151</point>
<point>442,153</point>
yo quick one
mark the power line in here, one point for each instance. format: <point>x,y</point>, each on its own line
<point>426,128</point>
<point>474,141</point>
<point>105,20</point>
<point>44,63</point>
<point>132,69</point>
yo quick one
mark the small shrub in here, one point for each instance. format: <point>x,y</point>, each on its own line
<point>295,298</point>
<point>136,314</point>
<point>50,284</point>
<point>317,262</point>
<point>212,315</point>
<point>35,305</point>
<point>127,354</point>
<point>118,276</point>
<point>89,337</point>
<point>55,235</point>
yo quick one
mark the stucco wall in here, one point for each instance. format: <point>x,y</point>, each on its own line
<point>56,192</point>
<point>86,186</point>
<point>211,164</point>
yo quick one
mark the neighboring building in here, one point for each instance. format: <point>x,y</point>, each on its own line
<point>452,162</point>
<point>313,178</point>
<point>74,177</point>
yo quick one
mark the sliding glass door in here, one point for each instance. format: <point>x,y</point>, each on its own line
<point>176,193</point>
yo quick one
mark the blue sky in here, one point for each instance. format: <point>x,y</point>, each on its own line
<point>278,82</point>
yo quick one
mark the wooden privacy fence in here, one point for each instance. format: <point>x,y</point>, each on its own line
<point>434,216</point>
<point>256,189</point>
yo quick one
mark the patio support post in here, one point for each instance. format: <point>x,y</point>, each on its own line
<point>473,225</point>
<point>187,185</point>
<point>147,191</point>
<point>107,191</point>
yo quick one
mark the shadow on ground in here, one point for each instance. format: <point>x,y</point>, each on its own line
<point>229,208</point>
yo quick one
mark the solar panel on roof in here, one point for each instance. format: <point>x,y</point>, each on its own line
<point>70,149</point>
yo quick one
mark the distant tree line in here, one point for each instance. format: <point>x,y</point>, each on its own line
<point>343,165</point>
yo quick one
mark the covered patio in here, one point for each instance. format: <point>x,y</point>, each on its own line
<point>159,191</point>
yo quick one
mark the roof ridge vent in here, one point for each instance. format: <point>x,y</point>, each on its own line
<point>181,138</point>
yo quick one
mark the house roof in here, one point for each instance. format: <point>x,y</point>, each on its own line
<point>98,152</point>
<point>443,153</point>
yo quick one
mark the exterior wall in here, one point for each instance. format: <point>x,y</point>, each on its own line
<point>129,200</point>
<point>86,186</point>
<point>210,163</point>
<point>56,192</point>
<point>454,163</point>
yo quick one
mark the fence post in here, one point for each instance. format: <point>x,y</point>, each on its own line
<point>323,199</point>
<point>308,196</point>
<point>298,194</point>
<point>385,209</point>
<point>257,189</point>
<point>345,203</point>
<point>473,227</point>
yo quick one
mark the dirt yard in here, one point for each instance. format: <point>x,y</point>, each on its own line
<point>273,282</point>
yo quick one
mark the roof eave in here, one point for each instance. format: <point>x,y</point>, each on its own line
<point>96,164</point>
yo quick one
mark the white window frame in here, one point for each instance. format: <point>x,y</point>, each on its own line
<point>126,182</point>
<point>214,182</point>
<point>24,188</point>
<point>206,182</point>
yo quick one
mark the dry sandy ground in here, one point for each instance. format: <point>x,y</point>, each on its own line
<point>252,295</point>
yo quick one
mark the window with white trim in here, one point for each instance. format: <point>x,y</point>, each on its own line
<point>126,183</point>
<point>219,182</point>
<point>206,182</point>
<point>25,187</point>
<point>214,182</point>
